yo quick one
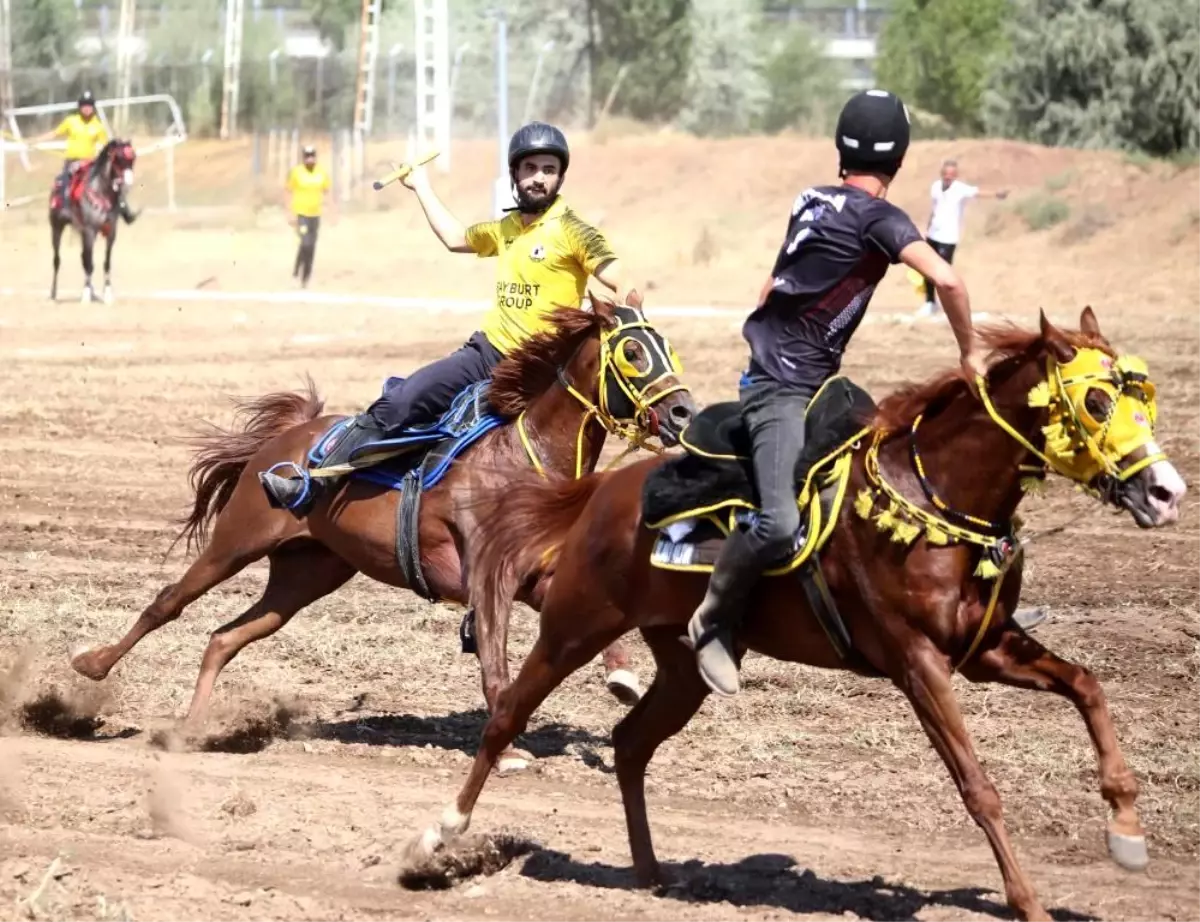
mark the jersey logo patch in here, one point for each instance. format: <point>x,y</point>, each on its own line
<point>538,253</point>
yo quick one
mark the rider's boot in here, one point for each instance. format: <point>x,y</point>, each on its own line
<point>1027,619</point>
<point>711,629</point>
<point>298,494</point>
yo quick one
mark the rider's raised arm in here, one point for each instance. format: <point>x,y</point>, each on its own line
<point>448,228</point>
<point>950,288</point>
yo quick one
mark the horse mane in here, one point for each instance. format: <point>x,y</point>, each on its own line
<point>1006,341</point>
<point>527,372</point>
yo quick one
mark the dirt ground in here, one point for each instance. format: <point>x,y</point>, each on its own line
<point>812,794</point>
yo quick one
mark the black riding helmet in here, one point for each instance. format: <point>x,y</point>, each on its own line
<point>873,133</point>
<point>538,138</point>
<point>86,99</point>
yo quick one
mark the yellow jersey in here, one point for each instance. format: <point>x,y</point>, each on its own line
<point>543,265</point>
<point>84,138</point>
<point>308,188</point>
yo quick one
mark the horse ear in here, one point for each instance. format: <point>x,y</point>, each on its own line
<point>602,307</point>
<point>1055,341</point>
<point>633,299</point>
<point>1088,322</point>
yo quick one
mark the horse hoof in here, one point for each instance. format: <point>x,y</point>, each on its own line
<point>625,686</point>
<point>108,296</point>
<point>86,298</point>
<point>83,661</point>
<point>1128,851</point>
<point>513,762</point>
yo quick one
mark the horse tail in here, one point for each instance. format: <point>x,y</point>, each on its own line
<point>518,530</point>
<point>222,454</point>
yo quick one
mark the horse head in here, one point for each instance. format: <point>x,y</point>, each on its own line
<point>115,163</point>
<point>639,373</point>
<point>1100,421</point>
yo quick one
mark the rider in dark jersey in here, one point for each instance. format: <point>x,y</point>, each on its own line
<point>840,241</point>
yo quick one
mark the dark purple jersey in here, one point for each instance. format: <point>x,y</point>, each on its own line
<point>840,242</point>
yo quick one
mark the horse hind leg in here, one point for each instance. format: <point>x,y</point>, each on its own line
<point>925,679</point>
<point>620,679</point>
<point>109,241</point>
<point>1020,661</point>
<point>85,257</point>
<point>56,233</point>
<point>299,576</point>
<point>671,701</point>
<point>240,537</point>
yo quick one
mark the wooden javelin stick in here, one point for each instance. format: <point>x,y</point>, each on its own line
<point>402,170</point>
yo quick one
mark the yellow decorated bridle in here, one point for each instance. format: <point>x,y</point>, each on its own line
<point>635,359</point>
<point>1084,444</point>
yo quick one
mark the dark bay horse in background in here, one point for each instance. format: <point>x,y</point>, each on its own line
<point>89,203</point>
<point>917,604</point>
<point>565,389</point>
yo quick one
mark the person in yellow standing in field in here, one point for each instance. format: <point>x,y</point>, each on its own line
<point>545,254</point>
<point>307,184</point>
<point>85,135</point>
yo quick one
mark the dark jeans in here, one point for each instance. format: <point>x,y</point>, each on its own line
<point>774,415</point>
<point>944,250</point>
<point>307,250</point>
<point>429,391</point>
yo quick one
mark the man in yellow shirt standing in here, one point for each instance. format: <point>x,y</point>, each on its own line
<point>545,254</point>
<point>85,135</point>
<point>307,184</point>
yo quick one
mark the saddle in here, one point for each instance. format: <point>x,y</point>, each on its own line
<point>695,501</point>
<point>74,186</point>
<point>413,462</point>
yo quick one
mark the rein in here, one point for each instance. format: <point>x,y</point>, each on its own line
<point>1067,439</point>
<point>635,432</point>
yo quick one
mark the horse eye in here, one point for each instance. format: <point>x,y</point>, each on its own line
<point>632,353</point>
<point>1097,403</point>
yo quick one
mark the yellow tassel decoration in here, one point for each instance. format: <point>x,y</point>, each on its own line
<point>886,520</point>
<point>987,569</point>
<point>864,503</point>
<point>1033,485</point>
<point>905,533</point>
<point>936,536</point>
<point>1040,395</point>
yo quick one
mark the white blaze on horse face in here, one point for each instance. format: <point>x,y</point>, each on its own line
<point>127,178</point>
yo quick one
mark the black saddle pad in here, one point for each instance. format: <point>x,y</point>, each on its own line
<point>717,466</point>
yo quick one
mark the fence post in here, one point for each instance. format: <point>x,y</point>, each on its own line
<point>170,152</point>
<point>256,164</point>
<point>347,163</point>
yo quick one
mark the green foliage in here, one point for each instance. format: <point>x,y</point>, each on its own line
<point>43,32</point>
<point>938,55</point>
<point>802,84</point>
<point>333,18</point>
<point>726,90</point>
<point>1117,73</point>
<point>654,40</point>
<point>1041,211</point>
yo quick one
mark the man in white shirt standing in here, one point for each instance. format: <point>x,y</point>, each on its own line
<point>949,195</point>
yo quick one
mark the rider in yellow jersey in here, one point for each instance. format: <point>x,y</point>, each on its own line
<point>545,254</point>
<point>307,184</point>
<point>85,135</point>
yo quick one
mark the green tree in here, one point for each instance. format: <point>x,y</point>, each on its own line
<point>43,32</point>
<point>726,90</point>
<point>1102,73</point>
<point>333,18</point>
<point>803,85</point>
<point>653,40</point>
<point>938,55</point>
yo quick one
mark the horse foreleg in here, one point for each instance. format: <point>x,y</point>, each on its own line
<point>1020,661</point>
<point>568,641</point>
<point>925,680</point>
<point>88,240</point>
<point>296,580</point>
<point>56,231</point>
<point>671,701</point>
<point>109,241</point>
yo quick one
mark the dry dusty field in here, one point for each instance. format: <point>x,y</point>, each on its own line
<point>811,795</point>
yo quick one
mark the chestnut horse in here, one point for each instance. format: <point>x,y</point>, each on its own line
<point>915,605</point>
<point>600,371</point>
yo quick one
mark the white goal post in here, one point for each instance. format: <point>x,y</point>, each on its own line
<point>11,141</point>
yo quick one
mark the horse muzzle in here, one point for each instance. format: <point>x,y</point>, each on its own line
<point>1152,496</point>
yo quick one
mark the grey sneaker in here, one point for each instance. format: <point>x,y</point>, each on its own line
<point>1027,619</point>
